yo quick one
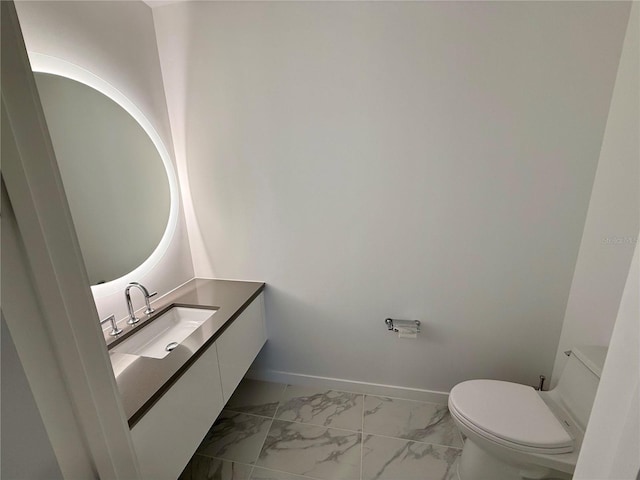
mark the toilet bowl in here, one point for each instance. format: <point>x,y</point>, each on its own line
<point>514,432</point>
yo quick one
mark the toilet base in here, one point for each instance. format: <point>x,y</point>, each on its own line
<point>476,464</point>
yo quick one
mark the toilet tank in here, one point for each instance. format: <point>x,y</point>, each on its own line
<point>578,383</point>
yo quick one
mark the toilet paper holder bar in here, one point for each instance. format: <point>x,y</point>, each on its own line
<point>393,324</point>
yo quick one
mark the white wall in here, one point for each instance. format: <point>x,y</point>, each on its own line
<point>27,453</point>
<point>428,160</point>
<point>115,41</point>
<point>611,228</point>
<point>612,440</point>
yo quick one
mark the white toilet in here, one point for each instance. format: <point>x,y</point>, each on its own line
<point>515,432</point>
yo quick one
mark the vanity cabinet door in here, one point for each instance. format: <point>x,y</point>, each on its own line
<point>168,434</point>
<point>239,345</point>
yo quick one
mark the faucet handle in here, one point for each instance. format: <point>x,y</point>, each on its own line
<point>114,327</point>
<point>149,310</point>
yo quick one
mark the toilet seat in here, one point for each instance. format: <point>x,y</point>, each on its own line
<point>509,414</point>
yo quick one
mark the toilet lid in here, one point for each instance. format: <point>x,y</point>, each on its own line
<point>511,414</point>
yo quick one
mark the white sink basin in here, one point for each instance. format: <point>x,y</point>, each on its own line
<point>166,332</point>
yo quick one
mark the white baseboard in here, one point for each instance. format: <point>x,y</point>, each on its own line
<point>344,385</point>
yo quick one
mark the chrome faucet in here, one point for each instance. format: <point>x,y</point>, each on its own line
<point>132,316</point>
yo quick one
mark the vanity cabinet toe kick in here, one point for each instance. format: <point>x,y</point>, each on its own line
<point>169,432</point>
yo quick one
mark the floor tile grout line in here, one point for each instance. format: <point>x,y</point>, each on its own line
<point>275,411</point>
<point>288,473</point>
<point>318,425</point>
<point>281,403</point>
<point>241,413</point>
<point>351,431</point>
<point>404,399</point>
<point>247,413</point>
<point>255,462</point>
<point>415,441</point>
<point>212,457</point>
<point>252,465</point>
<point>280,400</point>
<point>363,433</point>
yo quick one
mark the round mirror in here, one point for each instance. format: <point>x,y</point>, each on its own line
<point>119,185</point>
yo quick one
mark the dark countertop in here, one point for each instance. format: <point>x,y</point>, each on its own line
<point>143,380</point>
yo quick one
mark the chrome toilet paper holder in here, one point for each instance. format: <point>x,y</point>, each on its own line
<point>393,324</point>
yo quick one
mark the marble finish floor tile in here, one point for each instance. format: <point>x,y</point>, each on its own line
<point>410,420</point>
<point>256,397</point>
<point>235,436</point>
<point>453,471</point>
<point>393,459</point>
<point>264,474</point>
<point>207,468</point>
<point>318,452</point>
<point>315,406</point>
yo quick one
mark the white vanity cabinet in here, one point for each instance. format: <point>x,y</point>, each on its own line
<point>239,345</point>
<point>167,436</point>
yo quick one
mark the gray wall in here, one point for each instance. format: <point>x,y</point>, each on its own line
<point>407,159</point>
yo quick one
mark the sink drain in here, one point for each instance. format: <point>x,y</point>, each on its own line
<point>171,346</point>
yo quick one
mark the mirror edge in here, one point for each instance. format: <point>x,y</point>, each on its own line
<point>47,64</point>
